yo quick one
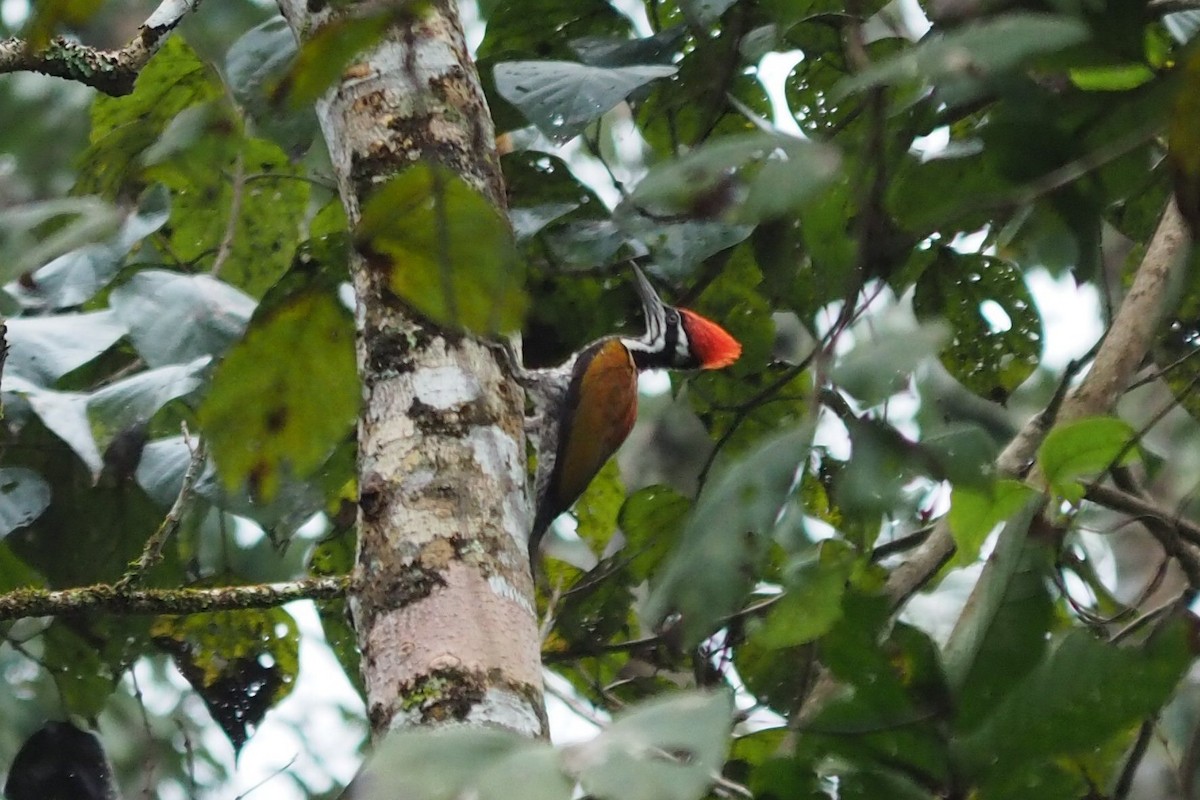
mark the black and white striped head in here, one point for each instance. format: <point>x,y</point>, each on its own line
<point>677,338</point>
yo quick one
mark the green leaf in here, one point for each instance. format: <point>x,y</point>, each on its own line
<point>325,54</point>
<point>652,520</point>
<point>264,230</point>
<point>1002,630</point>
<point>1082,694</point>
<point>1084,447</point>
<point>774,172</point>
<point>977,50</point>
<point>24,495</point>
<point>448,252</point>
<point>83,680</point>
<point>241,663</point>
<point>679,247</point>
<point>880,366</point>
<point>562,97</point>
<point>439,763</point>
<point>262,415</point>
<point>133,401</point>
<point>996,330</point>
<point>174,318</point>
<point>812,602</point>
<point>975,511</point>
<point>43,349</point>
<point>122,127</point>
<point>599,505</point>
<point>665,749</point>
<point>708,574</point>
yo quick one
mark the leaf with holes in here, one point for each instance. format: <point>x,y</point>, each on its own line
<point>562,97</point>
<point>241,663</point>
<point>996,330</point>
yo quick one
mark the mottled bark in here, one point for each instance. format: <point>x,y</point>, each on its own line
<point>443,601</point>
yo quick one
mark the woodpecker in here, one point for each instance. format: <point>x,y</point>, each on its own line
<point>585,407</point>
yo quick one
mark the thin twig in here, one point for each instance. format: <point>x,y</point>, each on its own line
<point>237,189</point>
<point>152,551</point>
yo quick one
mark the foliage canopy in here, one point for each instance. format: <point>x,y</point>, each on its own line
<point>872,198</point>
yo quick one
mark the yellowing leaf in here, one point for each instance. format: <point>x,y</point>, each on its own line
<point>448,252</point>
<point>285,395</point>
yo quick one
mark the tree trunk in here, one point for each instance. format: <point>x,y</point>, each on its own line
<point>443,607</point>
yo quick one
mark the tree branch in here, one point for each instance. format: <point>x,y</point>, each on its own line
<point>103,597</point>
<point>110,71</point>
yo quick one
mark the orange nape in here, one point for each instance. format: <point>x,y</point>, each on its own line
<point>711,344</point>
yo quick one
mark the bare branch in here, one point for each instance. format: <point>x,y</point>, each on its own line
<point>103,597</point>
<point>110,71</point>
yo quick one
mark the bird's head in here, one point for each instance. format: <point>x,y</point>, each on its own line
<point>678,338</point>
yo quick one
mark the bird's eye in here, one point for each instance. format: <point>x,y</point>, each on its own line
<point>672,317</point>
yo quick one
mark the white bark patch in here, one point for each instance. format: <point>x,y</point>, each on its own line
<point>505,589</point>
<point>433,58</point>
<point>499,456</point>
<point>508,710</point>
<point>495,451</point>
<point>445,387</point>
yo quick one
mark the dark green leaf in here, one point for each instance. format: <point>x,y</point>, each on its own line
<point>773,174</point>
<point>980,49</point>
<point>43,349</point>
<point>174,318</point>
<point>449,253</point>
<point>325,54</point>
<point>24,495</point>
<point>652,521</point>
<point>84,682</point>
<point>562,97</point>
<point>1083,693</point>
<point>708,574</point>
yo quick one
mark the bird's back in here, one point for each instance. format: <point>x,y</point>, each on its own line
<point>598,412</point>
